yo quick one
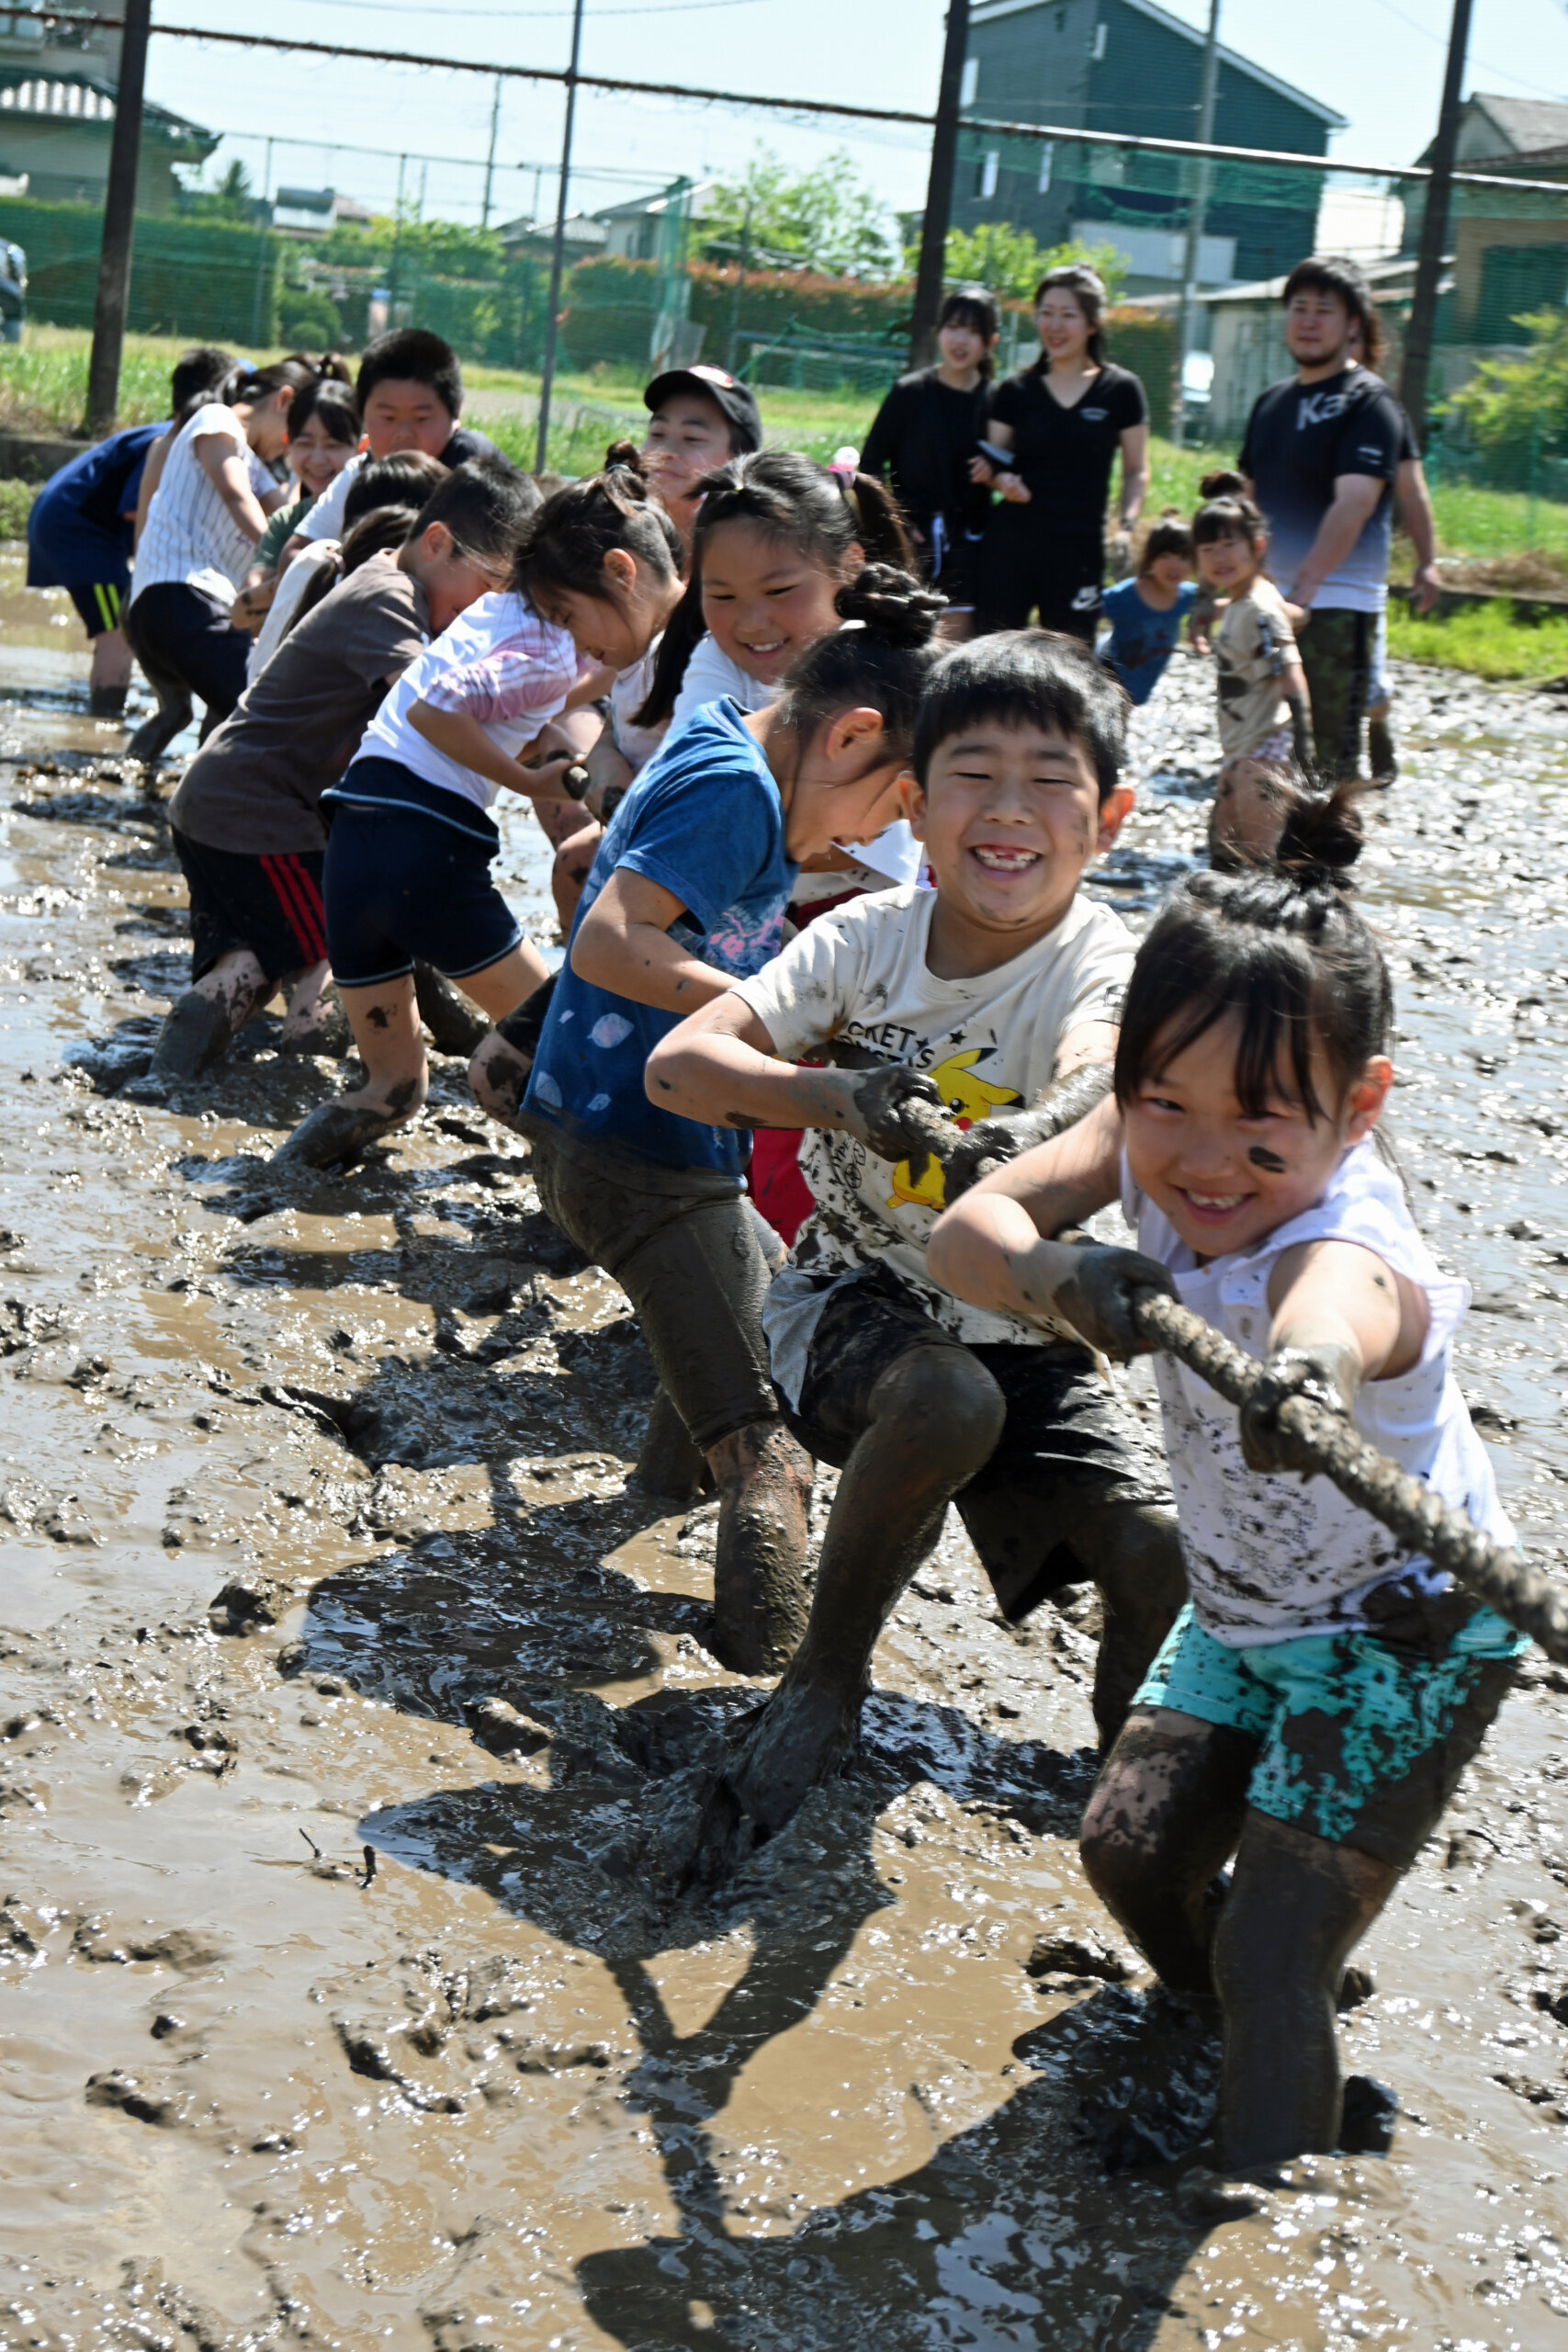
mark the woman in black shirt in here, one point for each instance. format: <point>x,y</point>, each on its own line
<point>923,441</point>
<point>1063,420</point>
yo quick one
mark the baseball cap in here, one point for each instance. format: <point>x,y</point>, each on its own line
<point>727,392</point>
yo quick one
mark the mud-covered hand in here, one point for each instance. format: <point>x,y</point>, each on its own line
<point>896,1111</point>
<point>1008,1133</point>
<point>1097,1297</point>
<point>1327,1376</point>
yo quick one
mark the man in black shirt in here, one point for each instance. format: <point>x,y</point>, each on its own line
<point>1321,453</point>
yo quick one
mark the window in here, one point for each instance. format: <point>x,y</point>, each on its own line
<point>1044,183</point>
<point>17,24</point>
<point>969,87</point>
<point>1099,32</point>
<point>986,177</point>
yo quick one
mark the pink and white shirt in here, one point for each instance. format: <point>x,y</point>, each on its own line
<point>499,661</point>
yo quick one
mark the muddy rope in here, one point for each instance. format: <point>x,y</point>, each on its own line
<point>1524,1594</point>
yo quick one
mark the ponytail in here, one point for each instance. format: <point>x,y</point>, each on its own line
<point>821,512</point>
<point>574,531</point>
<point>882,660</point>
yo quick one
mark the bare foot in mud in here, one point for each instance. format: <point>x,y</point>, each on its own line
<point>799,1738</point>
<point>334,1135</point>
<point>155,735</point>
<point>326,1032</point>
<point>498,1076</point>
<point>194,1036</point>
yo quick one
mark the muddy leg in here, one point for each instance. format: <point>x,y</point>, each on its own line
<point>759,1592</point>
<point>1164,1818</point>
<point>1297,1906</point>
<point>936,1415</point>
<point>573,861</point>
<point>1133,1554</point>
<point>668,1463</point>
<point>385,1022</point>
<point>455,1027</point>
<point>110,673</point>
<point>497,1074</point>
<point>313,1024</point>
<point>196,1032</point>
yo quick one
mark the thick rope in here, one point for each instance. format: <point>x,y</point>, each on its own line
<point>1524,1594</point>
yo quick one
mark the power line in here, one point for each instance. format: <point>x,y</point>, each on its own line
<point>1441,39</point>
<point>1062,134</point>
<point>420,8</point>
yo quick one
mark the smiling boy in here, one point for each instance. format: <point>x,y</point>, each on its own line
<point>698,419</point>
<point>979,995</point>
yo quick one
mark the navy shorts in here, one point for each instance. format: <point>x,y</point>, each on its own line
<point>100,604</point>
<point>408,879</point>
<point>188,636</point>
<point>271,905</point>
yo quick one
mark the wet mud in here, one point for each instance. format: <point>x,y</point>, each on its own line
<point>353,1696</point>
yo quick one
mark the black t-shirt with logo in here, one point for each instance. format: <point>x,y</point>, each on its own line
<point>1300,438</point>
<point>1065,455</point>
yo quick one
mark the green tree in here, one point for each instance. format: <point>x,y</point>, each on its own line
<point>233,199</point>
<point>1011,263</point>
<point>1510,403</point>
<point>829,219</point>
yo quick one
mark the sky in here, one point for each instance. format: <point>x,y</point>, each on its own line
<point>1380,62</point>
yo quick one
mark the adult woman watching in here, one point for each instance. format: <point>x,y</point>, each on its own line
<point>1063,421</point>
<point>923,441</point>
<point>208,514</point>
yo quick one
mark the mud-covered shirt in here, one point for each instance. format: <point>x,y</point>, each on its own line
<point>1254,645</point>
<point>1270,1559</point>
<point>988,1043</point>
<point>705,821</point>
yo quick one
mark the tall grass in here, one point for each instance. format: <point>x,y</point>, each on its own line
<point>43,381</point>
<point>1490,640</point>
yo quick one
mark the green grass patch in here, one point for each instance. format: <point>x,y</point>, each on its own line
<point>1490,640</point>
<point>16,504</point>
<point>43,380</point>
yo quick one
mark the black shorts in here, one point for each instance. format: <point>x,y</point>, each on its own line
<point>270,905</point>
<point>408,880</point>
<point>189,636</point>
<point>1028,567</point>
<point>696,1260</point>
<point>1064,1443</point>
<point>100,604</point>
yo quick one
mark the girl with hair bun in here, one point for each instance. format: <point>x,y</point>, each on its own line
<point>1055,432</point>
<point>1317,1700</point>
<point>1264,711</point>
<point>686,897</point>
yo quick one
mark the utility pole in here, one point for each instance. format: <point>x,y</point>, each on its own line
<point>557,254</point>
<point>1434,232</point>
<point>489,160</point>
<point>1197,212</point>
<point>119,223</point>
<point>932,269</point>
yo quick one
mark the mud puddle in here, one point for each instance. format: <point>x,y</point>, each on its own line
<point>349,1699</point>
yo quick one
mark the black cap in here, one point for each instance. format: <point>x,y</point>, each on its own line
<point>727,392</point>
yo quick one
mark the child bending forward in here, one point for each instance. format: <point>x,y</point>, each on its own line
<point>975,996</point>
<point>1315,1704</point>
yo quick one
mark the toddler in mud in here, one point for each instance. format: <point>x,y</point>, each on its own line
<point>686,897</point>
<point>1316,1703</point>
<point>983,995</point>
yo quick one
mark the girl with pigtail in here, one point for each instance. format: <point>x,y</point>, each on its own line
<point>687,897</point>
<point>1314,1707</point>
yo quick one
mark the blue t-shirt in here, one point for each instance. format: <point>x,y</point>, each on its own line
<point>703,820</point>
<point>81,527</point>
<point>1142,641</point>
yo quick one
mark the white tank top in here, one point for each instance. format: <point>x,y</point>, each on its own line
<point>1271,1558</point>
<point>190,536</point>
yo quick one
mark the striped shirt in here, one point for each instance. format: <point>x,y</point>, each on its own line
<point>190,536</point>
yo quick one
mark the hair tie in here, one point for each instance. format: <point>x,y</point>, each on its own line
<point>844,465</point>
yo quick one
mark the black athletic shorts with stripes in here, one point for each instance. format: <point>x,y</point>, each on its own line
<point>271,905</point>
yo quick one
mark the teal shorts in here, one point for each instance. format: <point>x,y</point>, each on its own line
<point>1361,1738</point>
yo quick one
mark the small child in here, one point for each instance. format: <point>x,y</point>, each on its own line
<point>979,994</point>
<point>323,438</point>
<point>1264,711</point>
<point>776,538</point>
<point>408,393</point>
<point>246,819</point>
<point>687,897</point>
<point>1314,1707</point>
<point>1146,613</point>
<point>700,418</point>
<point>80,528</point>
<point>407,878</point>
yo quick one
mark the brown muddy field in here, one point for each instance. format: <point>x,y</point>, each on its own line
<point>351,1704</point>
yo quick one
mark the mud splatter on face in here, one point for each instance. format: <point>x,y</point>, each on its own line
<point>1269,1161</point>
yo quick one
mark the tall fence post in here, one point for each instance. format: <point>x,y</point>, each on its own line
<point>933,271</point>
<point>557,250</point>
<point>112,300</point>
<point>1434,232</point>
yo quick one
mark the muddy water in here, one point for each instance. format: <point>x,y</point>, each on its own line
<point>336,2008</point>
